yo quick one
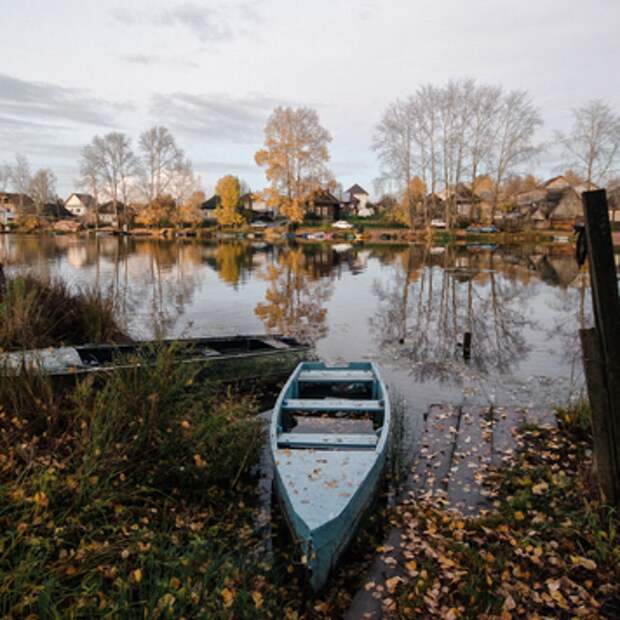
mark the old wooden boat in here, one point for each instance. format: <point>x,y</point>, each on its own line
<point>328,437</point>
<point>236,358</point>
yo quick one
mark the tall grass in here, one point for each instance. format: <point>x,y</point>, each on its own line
<point>115,498</point>
<point>37,313</point>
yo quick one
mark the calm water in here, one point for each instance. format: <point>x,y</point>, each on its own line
<point>405,307</point>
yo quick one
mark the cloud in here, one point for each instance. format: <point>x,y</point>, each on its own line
<point>215,117</point>
<point>155,59</point>
<point>25,102</point>
<point>212,24</point>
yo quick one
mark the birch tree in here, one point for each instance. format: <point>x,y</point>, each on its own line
<point>5,177</point>
<point>593,144</point>
<point>160,157</point>
<point>295,157</point>
<point>518,120</point>
<point>115,167</point>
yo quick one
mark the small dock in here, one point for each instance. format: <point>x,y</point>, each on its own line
<point>458,447</point>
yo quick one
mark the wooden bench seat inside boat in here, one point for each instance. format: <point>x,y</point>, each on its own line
<point>327,440</point>
<point>335,376</point>
<point>332,404</point>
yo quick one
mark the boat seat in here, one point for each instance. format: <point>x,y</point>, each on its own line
<point>336,376</point>
<point>332,404</point>
<point>333,440</point>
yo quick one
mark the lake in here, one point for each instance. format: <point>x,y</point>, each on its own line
<point>406,307</point>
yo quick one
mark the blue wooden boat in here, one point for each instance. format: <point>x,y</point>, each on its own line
<point>328,437</point>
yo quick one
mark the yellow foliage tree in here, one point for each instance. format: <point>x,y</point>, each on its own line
<point>295,156</point>
<point>189,211</point>
<point>158,212</point>
<point>228,190</point>
<point>412,198</point>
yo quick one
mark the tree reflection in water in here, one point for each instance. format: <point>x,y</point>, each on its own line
<point>438,294</point>
<point>295,296</point>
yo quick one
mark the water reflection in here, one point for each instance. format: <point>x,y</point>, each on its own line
<point>299,285</point>
<point>407,306</point>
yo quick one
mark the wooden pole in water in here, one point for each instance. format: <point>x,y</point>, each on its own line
<point>601,346</point>
<point>467,346</point>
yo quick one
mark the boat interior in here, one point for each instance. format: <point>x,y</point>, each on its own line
<point>185,349</point>
<point>332,409</point>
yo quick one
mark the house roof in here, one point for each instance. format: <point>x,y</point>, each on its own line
<point>108,207</point>
<point>324,197</point>
<point>356,189</point>
<point>552,180</point>
<point>57,210</point>
<point>86,199</point>
<point>212,203</point>
<point>12,198</point>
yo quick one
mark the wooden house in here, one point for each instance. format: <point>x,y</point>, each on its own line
<point>56,211</point>
<point>325,205</point>
<point>565,208</point>
<point>81,205</point>
<point>260,208</point>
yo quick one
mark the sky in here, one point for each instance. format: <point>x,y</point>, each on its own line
<point>213,71</point>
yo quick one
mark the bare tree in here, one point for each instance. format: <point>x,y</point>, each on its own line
<point>5,177</point>
<point>183,182</point>
<point>110,160</point>
<point>42,188</point>
<point>593,145</point>
<point>21,176</point>
<point>89,179</point>
<point>160,156</point>
<point>393,142</point>
<point>517,122</point>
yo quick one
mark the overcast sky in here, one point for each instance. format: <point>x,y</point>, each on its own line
<point>212,71</point>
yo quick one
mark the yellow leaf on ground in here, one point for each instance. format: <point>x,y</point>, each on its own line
<point>257,597</point>
<point>136,575</point>
<point>228,596</point>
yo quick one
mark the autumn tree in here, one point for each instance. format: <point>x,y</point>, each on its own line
<point>158,212</point>
<point>188,212</point>
<point>593,144</point>
<point>228,189</point>
<point>295,156</point>
<point>410,201</point>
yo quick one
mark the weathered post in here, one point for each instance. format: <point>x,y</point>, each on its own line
<point>467,346</point>
<point>601,346</point>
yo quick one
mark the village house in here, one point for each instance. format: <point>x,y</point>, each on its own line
<point>107,213</point>
<point>80,205</point>
<point>557,183</point>
<point>56,211</point>
<point>324,205</point>
<point>355,202</point>
<point>260,208</point>
<point>12,205</point>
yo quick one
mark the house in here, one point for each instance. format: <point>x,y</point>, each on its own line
<point>56,211</point>
<point>16,203</point>
<point>107,213</point>
<point>565,208</point>
<point>532,199</point>
<point>613,203</point>
<point>323,204</point>
<point>355,201</point>
<point>258,205</point>
<point>558,183</point>
<point>208,207</point>
<point>80,205</point>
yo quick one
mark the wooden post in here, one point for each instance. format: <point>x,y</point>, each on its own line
<point>602,349</point>
<point>467,346</point>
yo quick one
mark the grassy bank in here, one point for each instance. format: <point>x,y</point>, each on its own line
<point>124,498</point>
<point>37,312</point>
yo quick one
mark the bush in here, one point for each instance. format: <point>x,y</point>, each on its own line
<point>37,313</point>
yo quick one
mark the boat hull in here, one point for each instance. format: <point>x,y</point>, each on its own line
<point>326,484</point>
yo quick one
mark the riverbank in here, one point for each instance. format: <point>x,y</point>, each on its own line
<point>375,234</point>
